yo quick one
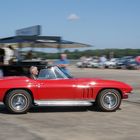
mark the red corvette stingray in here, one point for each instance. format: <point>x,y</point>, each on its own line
<point>55,88</point>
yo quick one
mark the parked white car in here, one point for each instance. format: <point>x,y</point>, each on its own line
<point>93,64</point>
<point>111,63</point>
<point>83,63</point>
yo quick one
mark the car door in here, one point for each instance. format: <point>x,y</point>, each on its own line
<point>56,89</point>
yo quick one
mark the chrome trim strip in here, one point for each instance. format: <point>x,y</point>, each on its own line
<point>63,102</point>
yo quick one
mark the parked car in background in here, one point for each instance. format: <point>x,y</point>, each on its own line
<point>111,63</point>
<point>79,64</point>
<point>84,62</point>
<point>122,62</point>
<point>133,64</point>
<point>93,63</point>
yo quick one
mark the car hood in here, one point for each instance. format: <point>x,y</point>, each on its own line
<point>98,82</point>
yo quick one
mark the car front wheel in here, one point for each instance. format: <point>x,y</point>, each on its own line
<point>108,100</point>
<point>18,101</point>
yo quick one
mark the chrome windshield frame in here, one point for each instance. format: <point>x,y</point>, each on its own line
<point>53,68</point>
<point>60,72</point>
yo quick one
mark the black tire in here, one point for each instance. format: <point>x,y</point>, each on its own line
<point>108,100</point>
<point>18,101</point>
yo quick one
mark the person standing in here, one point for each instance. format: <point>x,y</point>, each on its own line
<point>63,63</point>
<point>2,54</point>
<point>102,61</point>
<point>9,54</point>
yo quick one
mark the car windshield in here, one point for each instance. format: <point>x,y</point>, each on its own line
<point>53,73</point>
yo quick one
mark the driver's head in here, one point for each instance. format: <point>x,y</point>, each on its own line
<point>33,70</point>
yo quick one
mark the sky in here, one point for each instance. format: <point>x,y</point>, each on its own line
<point>101,23</point>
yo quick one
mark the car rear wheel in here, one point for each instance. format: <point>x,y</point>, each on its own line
<point>108,100</point>
<point>18,101</point>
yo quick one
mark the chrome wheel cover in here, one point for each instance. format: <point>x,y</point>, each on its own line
<point>19,102</point>
<point>110,100</point>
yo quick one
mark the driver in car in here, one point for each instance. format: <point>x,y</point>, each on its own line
<point>33,72</point>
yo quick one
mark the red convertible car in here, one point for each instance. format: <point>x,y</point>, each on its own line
<point>55,88</point>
